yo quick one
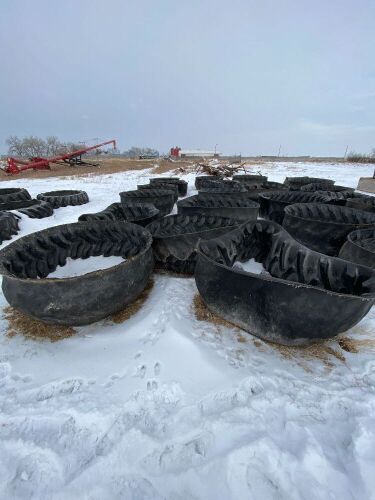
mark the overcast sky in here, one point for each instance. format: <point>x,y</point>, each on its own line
<point>247,75</point>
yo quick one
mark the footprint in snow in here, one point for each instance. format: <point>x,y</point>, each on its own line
<point>141,371</point>
<point>157,368</point>
<point>152,385</point>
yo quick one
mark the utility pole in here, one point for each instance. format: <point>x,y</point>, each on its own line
<point>279,151</point>
<point>346,152</point>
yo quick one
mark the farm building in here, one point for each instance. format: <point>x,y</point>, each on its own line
<point>193,153</point>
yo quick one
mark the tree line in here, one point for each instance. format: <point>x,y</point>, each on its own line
<point>31,147</point>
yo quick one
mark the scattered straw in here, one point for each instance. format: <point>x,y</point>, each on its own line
<point>134,307</point>
<point>202,313</point>
<point>300,354</point>
<point>21,324</point>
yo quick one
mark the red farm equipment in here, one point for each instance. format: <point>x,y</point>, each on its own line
<point>15,166</point>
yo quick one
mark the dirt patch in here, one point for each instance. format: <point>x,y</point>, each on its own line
<point>105,166</point>
<point>21,324</point>
<point>302,355</point>
<point>202,313</point>
<point>133,308</point>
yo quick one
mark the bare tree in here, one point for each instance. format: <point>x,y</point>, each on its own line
<point>30,147</point>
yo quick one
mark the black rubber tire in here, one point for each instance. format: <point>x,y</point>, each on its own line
<point>220,187</point>
<point>27,262</point>
<point>307,297</point>
<point>168,187</point>
<point>251,180</point>
<point>239,207</point>
<point>273,203</point>
<point>321,186</point>
<point>175,238</point>
<point>274,186</point>
<point>205,180</point>
<point>337,197</point>
<point>359,247</point>
<point>64,198</point>
<point>323,227</point>
<point>8,225</point>
<point>35,209</point>
<point>295,183</point>
<point>362,202</point>
<point>141,214</point>
<point>14,194</point>
<point>162,199</point>
<point>182,185</point>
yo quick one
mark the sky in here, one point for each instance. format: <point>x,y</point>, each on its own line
<point>246,75</point>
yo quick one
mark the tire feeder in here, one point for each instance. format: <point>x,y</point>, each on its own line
<point>162,199</point>
<point>250,180</point>
<point>273,203</point>
<point>220,188</point>
<point>8,225</point>
<point>170,187</point>
<point>362,202</point>
<point>14,194</point>
<point>141,214</point>
<point>359,247</point>
<point>35,209</point>
<point>64,198</point>
<point>232,206</point>
<point>295,183</point>
<point>321,186</point>
<point>307,296</point>
<point>182,185</point>
<point>26,264</point>
<point>205,180</point>
<point>323,227</point>
<point>175,239</point>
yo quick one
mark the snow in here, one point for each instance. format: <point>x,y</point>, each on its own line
<point>250,266</point>
<point>164,406</point>
<point>78,267</point>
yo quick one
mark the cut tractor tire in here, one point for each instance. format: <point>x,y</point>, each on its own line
<point>65,198</point>
<point>8,225</point>
<point>35,209</point>
<point>306,297</point>
<point>162,199</point>
<point>322,227</point>
<point>26,264</point>
<point>182,185</point>
<point>175,239</point>
<point>170,187</point>
<point>296,183</point>
<point>141,214</point>
<point>228,206</point>
<point>14,194</point>
<point>250,180</point>
<point>273,203</point>
<point>359,247</point>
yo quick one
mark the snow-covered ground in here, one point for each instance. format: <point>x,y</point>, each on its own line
<point>166,406</point>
